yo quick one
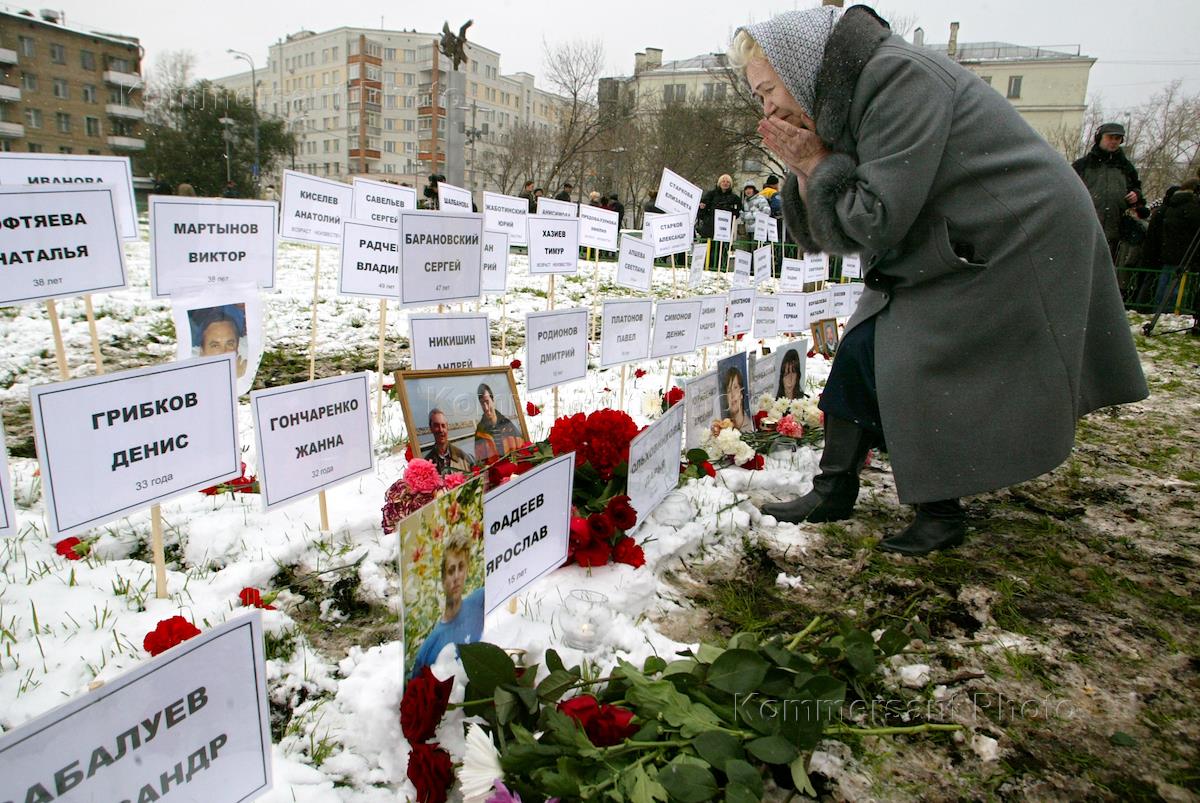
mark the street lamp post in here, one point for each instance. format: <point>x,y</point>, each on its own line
<point>228,134</point>
<point>237,54</point>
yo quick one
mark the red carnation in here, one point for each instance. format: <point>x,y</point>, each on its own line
<point>600,526</point>
<point>754,464</point>
<point>252,598</point>
<point>629,552</point>
<point>431,772</point>
<point>168,633</point>
<point>568,433</point>
<point>596,553</point>
<point>515,364</point>
<point>622,513</point>
<point>759,417</point>
<point>66,548</point>
<point>532,409</point>
<point>423,706</point>
<point>708,468</point>
<point>638,373</point>
<point>674,396</point>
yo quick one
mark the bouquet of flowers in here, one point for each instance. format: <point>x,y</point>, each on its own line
<point>803,412</point>
<point>419,486</point>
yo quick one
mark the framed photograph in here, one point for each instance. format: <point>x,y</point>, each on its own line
<point>825,336</point>
<point>733,391</point>
<point>460,417</point>
<point>789,370</point>
<point>442,575</point>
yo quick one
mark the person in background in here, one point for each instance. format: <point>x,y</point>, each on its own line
<point>161,186</point>
<point>722,198</point>
<point>185,189</point>
<point>269,194</point>
<point>990,320</point>
<point>1173,240</point>
<point>564,194</point>
<point>650,204</point>
<point>770,191</point>
<point>1112,182</point>
<point>527,194</point>
<point>753,205</point>
<point>614,203</point>
<point>594,199</point>
<point>230,191</point>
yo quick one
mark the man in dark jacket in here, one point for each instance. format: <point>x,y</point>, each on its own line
<point>565,193</point>
<point>1173,240</point>
<point>527,194</point>
<point>1111,180</point>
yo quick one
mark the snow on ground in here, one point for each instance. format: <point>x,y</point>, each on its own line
<point>343,741</point>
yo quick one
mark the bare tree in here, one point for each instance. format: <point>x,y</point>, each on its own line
<point>1075,141</point>
<point>573,69</point>
<point>167,86</point>
<point>1163,138</point>
<point>524,155</point>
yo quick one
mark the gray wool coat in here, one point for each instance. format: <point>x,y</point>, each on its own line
<point>998,320</point>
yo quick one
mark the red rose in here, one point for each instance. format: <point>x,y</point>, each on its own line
<point>628,552</point>
<point>708,468</point>
<point>596,553</point>
<point>532,409</point>
<point>252,598</point>
<point>623,515</point>
<point>612,725</point>
<point>674,396</point>
<point>638,373</point>
<point>423,706</point>
<point>431,772</point>
<point>812,352</point>
<point>583,709</point>
<point>515,364</point>
<point>754,464</point>
<point>408,455</point>
<point>501,472</point>
<point>66,548</point>
<point>167,634</point>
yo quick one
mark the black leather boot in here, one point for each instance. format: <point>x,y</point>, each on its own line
<point>835,489</point>
<point>938,525</point>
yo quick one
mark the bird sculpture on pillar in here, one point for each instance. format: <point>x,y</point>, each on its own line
<point>455,47</point>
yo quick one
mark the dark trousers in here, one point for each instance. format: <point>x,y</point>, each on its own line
<point>850,392</point>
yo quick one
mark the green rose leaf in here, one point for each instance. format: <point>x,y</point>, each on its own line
<point>653,665</point>
<point>742,774</point>
<point>553,661</point>
<point>554,685</point>
<point>487,667</point>
<point>638,787</point>
<point>506,706</point>
<point>772,750</point>
<point>738,671</point>
<point>718,747</point>
<point>800,778</point>
<point>687,783</point>
<point>860,650</point>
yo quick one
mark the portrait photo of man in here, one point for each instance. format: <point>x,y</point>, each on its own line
<point>495,434</point>
<point>444,455</point>
<point>461,621</point>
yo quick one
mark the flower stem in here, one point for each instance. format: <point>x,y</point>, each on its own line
<point>928,727</point>
<point>795,642</point>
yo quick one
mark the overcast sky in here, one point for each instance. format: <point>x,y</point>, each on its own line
<point>1140,46</point>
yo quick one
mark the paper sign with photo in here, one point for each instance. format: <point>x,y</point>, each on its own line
<point>220,320</point>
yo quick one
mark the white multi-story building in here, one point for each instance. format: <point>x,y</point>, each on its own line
<point>361,101</point>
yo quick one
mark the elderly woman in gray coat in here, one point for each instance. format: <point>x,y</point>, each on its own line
<point>990,321</point>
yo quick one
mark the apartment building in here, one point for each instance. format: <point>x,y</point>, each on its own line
<point>67,90</point>
<point>364,101</point>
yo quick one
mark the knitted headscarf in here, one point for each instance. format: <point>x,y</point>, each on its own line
<point>795,44</point>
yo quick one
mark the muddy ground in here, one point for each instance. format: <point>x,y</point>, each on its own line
<point>1064,636</point>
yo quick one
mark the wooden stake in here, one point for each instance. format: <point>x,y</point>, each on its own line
<point>312,346</point>
<point>670,366</point>
<point>91,319</point>
<point>324,512</point>
<point>704,360</point>
<point>551,291</point>
<point>504,326</point>
<point>622,393</point>
<point>512,605</point>
<point>382,343</point>
<point>60,353</point>
<point>554,393</point>
<point>156,546</point>
<point>674,278</point>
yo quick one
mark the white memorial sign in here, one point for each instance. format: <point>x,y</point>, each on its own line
<point>772,230</point>
<point>8,519</point>
<point>370,259</point>
<point>548,207</point>
<point>766,317</point>
<point>741,310</point>
<point>210,241</point>
<point>793,312</point>
<point>856,291</point>
<point>455,199</point>
<point>635,263</point>
<point>852,266</point>
<point>654,462</point>
<point>113,444</point>
<point>762,377</point>
<point>527,524</point>
<point>700,396</point>
<point>760,227</point>
<point>313,208</point>
<point>722,226</point>
<point>699,256</point>
<point>818,306</point>
<point>791,274</point>
<point>441,257</point>
<point>312,436</point>
<point>816,267</point>
<point>678,195</point>
<point>450,341</point>
<point>494,275</point>
<point>58,241</point>
<point>742,263</point>
<point>206,700</point>
<point>676,325</point>
<point>506,214</point>
<point>59,170</point>
<point>671,234</point>
<point>625,331</point>
<point>553,245</point>
<point>556,344</point>
<point>380,202</point>
<point>598,227</point>
<point>710,328</point>
<point>762,264</point>
<point>839,300</point>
